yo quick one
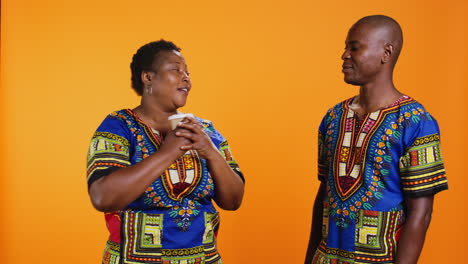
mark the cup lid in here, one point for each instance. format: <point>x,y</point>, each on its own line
<point>181,115</point>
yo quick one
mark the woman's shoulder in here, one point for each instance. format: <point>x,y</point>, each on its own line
<point>206,123</point>
<point>121,115</point>
<point>118,120</point>
<point>209,129</point>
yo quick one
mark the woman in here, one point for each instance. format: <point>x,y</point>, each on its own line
<point>155,184</point>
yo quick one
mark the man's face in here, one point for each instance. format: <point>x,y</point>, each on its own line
<point>362,58</point>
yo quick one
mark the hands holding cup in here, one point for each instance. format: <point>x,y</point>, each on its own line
<point>200,141</point>
<point>177,118</point>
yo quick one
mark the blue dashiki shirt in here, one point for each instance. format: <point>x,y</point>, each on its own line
<point>174,220</point>
<point>369,166</point>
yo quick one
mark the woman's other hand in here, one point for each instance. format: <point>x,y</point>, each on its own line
<point>229,189</point>
<point>192,131</point>
<point>172,144</point>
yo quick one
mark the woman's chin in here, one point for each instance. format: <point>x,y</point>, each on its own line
<point>180,103</point>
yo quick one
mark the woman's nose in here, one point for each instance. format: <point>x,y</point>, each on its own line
<point>185,76</point>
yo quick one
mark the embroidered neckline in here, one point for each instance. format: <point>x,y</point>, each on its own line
<point>349,101</point>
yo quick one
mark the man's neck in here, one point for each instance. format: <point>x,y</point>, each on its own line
<point>375,96</point>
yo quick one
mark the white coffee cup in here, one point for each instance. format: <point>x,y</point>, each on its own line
<point>175,119</point>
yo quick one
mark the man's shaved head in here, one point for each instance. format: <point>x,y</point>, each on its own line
<point>393,34</point>
<point>373,45</point>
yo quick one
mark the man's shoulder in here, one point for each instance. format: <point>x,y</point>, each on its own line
<point>409,104</point>
<point>339,106</point>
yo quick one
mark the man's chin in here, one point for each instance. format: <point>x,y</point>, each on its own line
<point>352,81</point>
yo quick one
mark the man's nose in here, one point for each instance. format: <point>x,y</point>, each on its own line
<point>345,55</point>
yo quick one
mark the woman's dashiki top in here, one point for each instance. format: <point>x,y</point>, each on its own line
<point>369,166</point>
<point>174,220</point>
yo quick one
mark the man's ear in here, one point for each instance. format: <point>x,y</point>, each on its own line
<point>388,53</point>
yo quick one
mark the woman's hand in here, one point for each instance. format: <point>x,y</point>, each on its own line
<point>121,187</point>
<point>229,189</point>
<point>173,143</point>
<point>192,131</point>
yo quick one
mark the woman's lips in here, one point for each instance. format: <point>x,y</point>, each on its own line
<point>184,89</point>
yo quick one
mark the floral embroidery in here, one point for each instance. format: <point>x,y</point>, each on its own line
<point>184,215</point>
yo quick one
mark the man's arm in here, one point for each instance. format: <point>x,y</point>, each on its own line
<point>419,211</point>
<point>316,228</point>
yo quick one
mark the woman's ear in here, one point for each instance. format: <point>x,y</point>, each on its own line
<point>146,77</point>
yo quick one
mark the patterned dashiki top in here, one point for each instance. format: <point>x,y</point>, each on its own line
<point>174,220</point>
<point>369,166</point>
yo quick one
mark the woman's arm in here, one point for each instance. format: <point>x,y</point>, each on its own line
<point>123,186</point>
<point>412,237</point>
<point>316,227</point>
<point>229,188</point>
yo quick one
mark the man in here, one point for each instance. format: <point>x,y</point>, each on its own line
<point>379,160</point>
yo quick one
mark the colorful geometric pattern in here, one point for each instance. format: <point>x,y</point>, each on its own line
<point>111,253</point>
<point>325,255</point>
<point>141,241</point>
<point>209,238</point>
<point>369,165</point>
<point>167,223</point>
<point>323,158</point>
<point>376,234</point>
<point>226,152</point>
<point>182,176</point>
<point>188,255</point>
<point>106,150</point>
<point>354,144</point>
<point>421,167</point>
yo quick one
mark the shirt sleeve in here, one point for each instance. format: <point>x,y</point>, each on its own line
<point>322,155</point>
<point>221,143</point>
<point>109,149</point>
<point>422,169</point>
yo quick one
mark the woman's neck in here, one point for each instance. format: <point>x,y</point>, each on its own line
<point>155,116</point>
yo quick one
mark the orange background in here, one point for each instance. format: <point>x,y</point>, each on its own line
<point>265,72</point>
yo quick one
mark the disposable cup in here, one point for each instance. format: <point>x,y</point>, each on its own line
<point>175,119</point>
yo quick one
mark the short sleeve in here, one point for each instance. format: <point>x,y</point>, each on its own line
<point>422,169</point>
<point>109,149</point>
<point>322,157</point>
<point>221,143</point>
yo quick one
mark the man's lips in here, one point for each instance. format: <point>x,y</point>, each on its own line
<point>347,68</point>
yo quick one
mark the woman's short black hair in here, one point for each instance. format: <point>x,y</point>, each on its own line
<point>143,60</point>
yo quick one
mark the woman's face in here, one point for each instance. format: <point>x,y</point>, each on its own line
<point>169,84</point>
